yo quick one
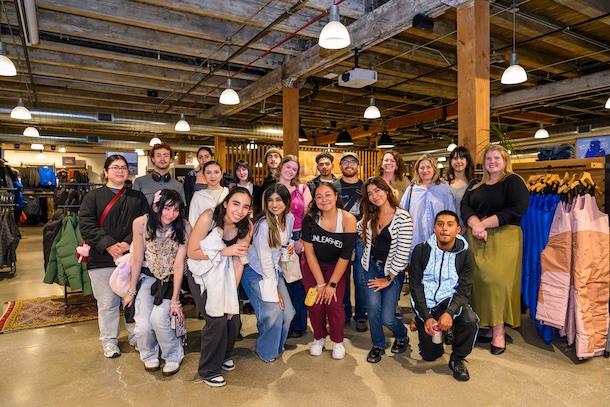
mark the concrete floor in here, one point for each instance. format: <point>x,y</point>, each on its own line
<point>64,365</point>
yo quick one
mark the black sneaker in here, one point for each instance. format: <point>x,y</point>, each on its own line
<point>460,372</point>
<point>361,326</point>
<point>374,355</point>
<point>248,309</point>
<point>295,334</point>
<point>400,345</point>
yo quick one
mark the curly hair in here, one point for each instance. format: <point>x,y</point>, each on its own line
<point>401,167</point>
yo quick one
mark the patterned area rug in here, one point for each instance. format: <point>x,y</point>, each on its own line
<point>39,312</point>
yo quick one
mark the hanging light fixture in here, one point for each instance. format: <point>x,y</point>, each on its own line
<point>451,146</point>
<point>181,125</point>
<point>37,146</point>
<point>20,112</point>
<point>154,140</point>
<point>31,131</point>
<point>334,35</point>
<point>541,132</point>
<point>344,138</point>
<point>229,96</point>
<point>441,159</point>
<point>385,141</point>
<point>515,73</point>
<point>372,112</point>
<point>302,135</point>
<point>440,166</point>
<point>139,151</point>
<point>7,67</point>
<point>62,149</point>
<point>608,103</point>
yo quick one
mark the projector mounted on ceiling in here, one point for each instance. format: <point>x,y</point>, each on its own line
<point>358,78</point>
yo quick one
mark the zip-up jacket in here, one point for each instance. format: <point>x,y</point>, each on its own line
<point>436,275</point>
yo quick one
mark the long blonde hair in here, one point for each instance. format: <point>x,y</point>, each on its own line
<point>508,166</point>
<point>437,173</point>
<point>295,181</point>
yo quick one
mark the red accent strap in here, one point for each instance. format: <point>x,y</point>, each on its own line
<point>110,205</point>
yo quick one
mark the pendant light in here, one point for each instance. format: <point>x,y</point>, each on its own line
<point>541,132</point>
<point>372,112</point>
<point>7,67</point>
<point>31,131</point>
<point>229,96</point>
<point>62,149</point>
<point>344,138</point>
<point>154,141</point>
<point>608,103</point>
<point>451,146</point>
<point>385,141</point>
<point>334,35</point>
<point>182,125</point>
<point>302,135</point>
<point>515,73</point>
<point>20,112</point>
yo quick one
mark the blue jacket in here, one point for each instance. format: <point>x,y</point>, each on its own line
<point>436,275</point>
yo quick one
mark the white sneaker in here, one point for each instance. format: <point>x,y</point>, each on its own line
<point>317,347</point>
<point>228,365</point>
<point>217,381</point>
<point>338,350</point>
<point>111,351</point>
<point>171,368</point>
<point>151,365</point>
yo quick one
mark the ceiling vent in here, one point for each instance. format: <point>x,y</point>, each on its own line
<point>93,139</point>
<point>584,129</point>
<point>105,117</point>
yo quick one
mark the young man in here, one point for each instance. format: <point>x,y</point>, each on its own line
<point>440,277</point>
<point>350,193</point>
<point>161,156</point>
<point>273,157</point>
<point>324,162</point>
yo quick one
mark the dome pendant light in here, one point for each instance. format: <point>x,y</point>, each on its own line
<point>154,141</point>
<point>21,112</point>
<point>229,96</point>
<point>334,35</point>
<point>385,141</point>
<point>31,131</point>
<point>607,106</point>
<point>7,67</point>
<point>515,73</point>
<point>372,112</point>
<point>451,146</point>
<point>344,139</point>
<point>182,125</point>
<point>541,132</point>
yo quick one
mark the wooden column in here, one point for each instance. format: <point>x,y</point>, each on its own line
<point>473,76</point>
<point>290,104</point>
<point>220,151</point>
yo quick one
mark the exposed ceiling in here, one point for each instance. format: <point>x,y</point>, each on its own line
<point>146,61</point>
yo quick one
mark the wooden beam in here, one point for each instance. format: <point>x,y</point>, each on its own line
<point>473,76</point>
<point>290,115</point>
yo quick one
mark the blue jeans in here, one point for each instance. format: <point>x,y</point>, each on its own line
<point>297,296</point>
<point>360,286</point>
<point>272,322</point>
<point>381,307</point>
<point>153,329</point>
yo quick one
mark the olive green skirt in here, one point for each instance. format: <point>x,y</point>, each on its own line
<point>497,278</point>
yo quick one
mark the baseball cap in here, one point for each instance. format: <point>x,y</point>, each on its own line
<point>353,155</point>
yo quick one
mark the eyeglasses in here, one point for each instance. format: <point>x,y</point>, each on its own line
<point>115,168</point>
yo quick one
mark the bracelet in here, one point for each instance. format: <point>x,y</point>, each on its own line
<point>132,294</point>
<point>176,304</point>
<point>321,285</point>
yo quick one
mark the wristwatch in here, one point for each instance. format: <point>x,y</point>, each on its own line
<point>388,278</point>
<point>333,285</point>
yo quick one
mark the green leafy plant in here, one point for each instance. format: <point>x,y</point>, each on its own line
<point>496,134</point>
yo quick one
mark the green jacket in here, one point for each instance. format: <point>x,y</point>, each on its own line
<point>64,268</point>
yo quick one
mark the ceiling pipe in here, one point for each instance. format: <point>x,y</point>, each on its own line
<point>151,123</point>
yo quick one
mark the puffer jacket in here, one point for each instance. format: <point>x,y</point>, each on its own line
<point>64,268</point>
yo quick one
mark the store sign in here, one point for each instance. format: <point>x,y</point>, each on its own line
<point>68,161</point>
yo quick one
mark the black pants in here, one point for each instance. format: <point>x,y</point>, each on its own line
<point>218,335</point>
<point>465,328</point>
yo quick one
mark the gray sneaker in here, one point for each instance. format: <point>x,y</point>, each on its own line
<point>111,351</point>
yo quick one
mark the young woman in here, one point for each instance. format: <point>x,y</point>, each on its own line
<point>492,208</point>
<point>243,178</point>
<point>329,238</point>
<point>386,231</point>
<point>195,179</point>
<point>425,197</point>
<point>461,172</point>
<point>218,240</point>
<point>212,195</point>
<point>288,175</point>
<point>105,218</point>
<point>158,253</point>
<point>392,169</point>
<point>263,280</point>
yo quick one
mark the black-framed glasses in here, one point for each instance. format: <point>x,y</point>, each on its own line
<point>116,168</point>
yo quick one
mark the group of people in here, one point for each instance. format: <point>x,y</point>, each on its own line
<point>215,236</point>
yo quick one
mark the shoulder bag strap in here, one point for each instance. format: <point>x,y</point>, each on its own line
<point>410,194</point>
<point>110,205</point>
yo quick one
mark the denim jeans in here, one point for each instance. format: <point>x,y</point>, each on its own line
<point>381,307</point>
<point>153,329</point>
<point>360,286</point>
<point>108,307</point>
<point>272,322</point>
<point>297,296</point>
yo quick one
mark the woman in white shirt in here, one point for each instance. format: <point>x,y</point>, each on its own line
<point>211,196</point>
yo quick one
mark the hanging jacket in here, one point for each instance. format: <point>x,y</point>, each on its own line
<point>49,232</point>
<point>64,268</point>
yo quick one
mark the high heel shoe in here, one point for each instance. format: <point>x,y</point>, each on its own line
<point>496,350</point>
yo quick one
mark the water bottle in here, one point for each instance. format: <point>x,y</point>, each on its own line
<point>174,320</point>
<point>285,257</point>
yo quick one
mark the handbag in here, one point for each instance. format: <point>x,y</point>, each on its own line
<point>291,269</point>
<point>310,298</point>
<point>121,276</point>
